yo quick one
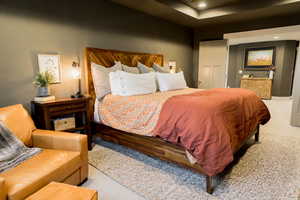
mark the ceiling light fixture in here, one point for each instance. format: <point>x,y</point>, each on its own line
<point>276,37</point>
<point>202,5</point>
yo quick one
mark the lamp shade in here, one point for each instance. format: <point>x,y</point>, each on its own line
<point>76,70</point>
<point>172,63</point>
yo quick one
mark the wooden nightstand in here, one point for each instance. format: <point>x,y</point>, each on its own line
<point>45,113</point>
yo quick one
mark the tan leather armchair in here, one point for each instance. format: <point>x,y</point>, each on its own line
<point>63,159</point>
<point>3,190</point>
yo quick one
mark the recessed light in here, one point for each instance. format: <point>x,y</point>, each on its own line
<point>276,37</point>
<point>202,5</point>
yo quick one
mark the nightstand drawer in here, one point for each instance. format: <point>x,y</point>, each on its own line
<point>66,108</point>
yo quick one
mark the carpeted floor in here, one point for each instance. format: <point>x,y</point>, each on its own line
<point>267,170</point>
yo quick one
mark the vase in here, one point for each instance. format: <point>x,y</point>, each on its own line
<point>43,92</point>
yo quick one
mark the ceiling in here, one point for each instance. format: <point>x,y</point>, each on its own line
<point>217,12</point>
<point>211,3</point>
<point>264,35</point>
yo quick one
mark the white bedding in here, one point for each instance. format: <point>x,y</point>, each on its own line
<point>97,117</point>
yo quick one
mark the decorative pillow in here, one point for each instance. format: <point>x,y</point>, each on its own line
<point>133,70</point>
<point>100,76</point>
<point>169,81</point>
<point>161,69</point>
<point>144,69</point>
<point>128,84</point>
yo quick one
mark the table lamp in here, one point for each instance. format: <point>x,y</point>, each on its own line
<point>172,66</point>
<point>76,73</point>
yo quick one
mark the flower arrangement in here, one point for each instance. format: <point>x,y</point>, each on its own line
<point>43,79</point>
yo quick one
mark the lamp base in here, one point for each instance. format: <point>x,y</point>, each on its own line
<point>77,95</point>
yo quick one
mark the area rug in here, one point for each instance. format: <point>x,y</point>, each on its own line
<point>267,170</point>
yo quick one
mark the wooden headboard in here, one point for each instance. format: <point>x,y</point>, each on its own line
<point>107,58</point>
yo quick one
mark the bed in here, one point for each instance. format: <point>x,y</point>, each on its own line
<point>152,146</point>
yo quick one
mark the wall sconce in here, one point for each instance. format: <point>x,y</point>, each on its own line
<point>172,65</point>
<point>76,74</point>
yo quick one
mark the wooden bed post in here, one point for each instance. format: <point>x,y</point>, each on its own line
<point>209,184</point>
<point>257,134</point>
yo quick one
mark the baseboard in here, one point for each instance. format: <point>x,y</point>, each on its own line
<point>281,98</point>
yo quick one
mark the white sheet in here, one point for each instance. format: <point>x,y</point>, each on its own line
<point>97,117</point>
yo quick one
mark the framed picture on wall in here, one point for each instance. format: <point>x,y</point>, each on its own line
<point>259,58</point>
<point>52,64</point>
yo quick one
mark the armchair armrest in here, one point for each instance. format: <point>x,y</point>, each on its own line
<point>59,140</point>
<point>3,189</point>
<point>63,141</point>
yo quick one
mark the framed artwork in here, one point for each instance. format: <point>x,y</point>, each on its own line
<point>260,58</point>
<point>52,64</point>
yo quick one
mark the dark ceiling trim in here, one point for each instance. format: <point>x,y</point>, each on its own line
<point>178,12</point>
<point>158,9</point>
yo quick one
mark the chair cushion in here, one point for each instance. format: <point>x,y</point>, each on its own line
<point>17,119</point>
<point>40,170</point>
<point>55,191</point>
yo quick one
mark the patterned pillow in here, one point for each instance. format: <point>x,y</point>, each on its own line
<point>133,70</point>
<point>144,69</point>
<point>161,69</point>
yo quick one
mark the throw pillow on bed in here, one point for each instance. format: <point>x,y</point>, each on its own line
<point>144,69</point>
<point>128,84</point>
<point>100,76</point>
<point>133,70</point>
<point>169,81</point>
<point>161,69</point>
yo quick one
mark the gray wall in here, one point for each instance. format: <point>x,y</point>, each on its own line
<point>67,27</point>
<point>285,63</point>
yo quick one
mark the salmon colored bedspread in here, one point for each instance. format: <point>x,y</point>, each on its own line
<point>211,124</point>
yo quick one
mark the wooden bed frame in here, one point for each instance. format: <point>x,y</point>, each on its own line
<point>151,146</point>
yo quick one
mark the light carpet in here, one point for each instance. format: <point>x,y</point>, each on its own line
<point>267,170</point>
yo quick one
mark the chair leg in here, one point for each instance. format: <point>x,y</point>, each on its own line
<point>257,135</point>
<point>209,184</point>
<point>85,180</point>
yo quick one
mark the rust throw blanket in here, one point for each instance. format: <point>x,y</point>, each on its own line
<point>211,124</point>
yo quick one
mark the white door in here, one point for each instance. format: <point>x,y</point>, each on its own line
<point>213,57</point>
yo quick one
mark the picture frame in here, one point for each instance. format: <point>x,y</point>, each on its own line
<point>260,58</point>
<point>52,64</point>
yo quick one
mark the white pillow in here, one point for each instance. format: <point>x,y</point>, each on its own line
<point>100,76</point>
<point>161,69</point>
<point>168,81</point>
<point>128,84</point>
<point>133,70</point>
<point>144,69</point>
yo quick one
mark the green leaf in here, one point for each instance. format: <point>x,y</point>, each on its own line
<point>43,79</point>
